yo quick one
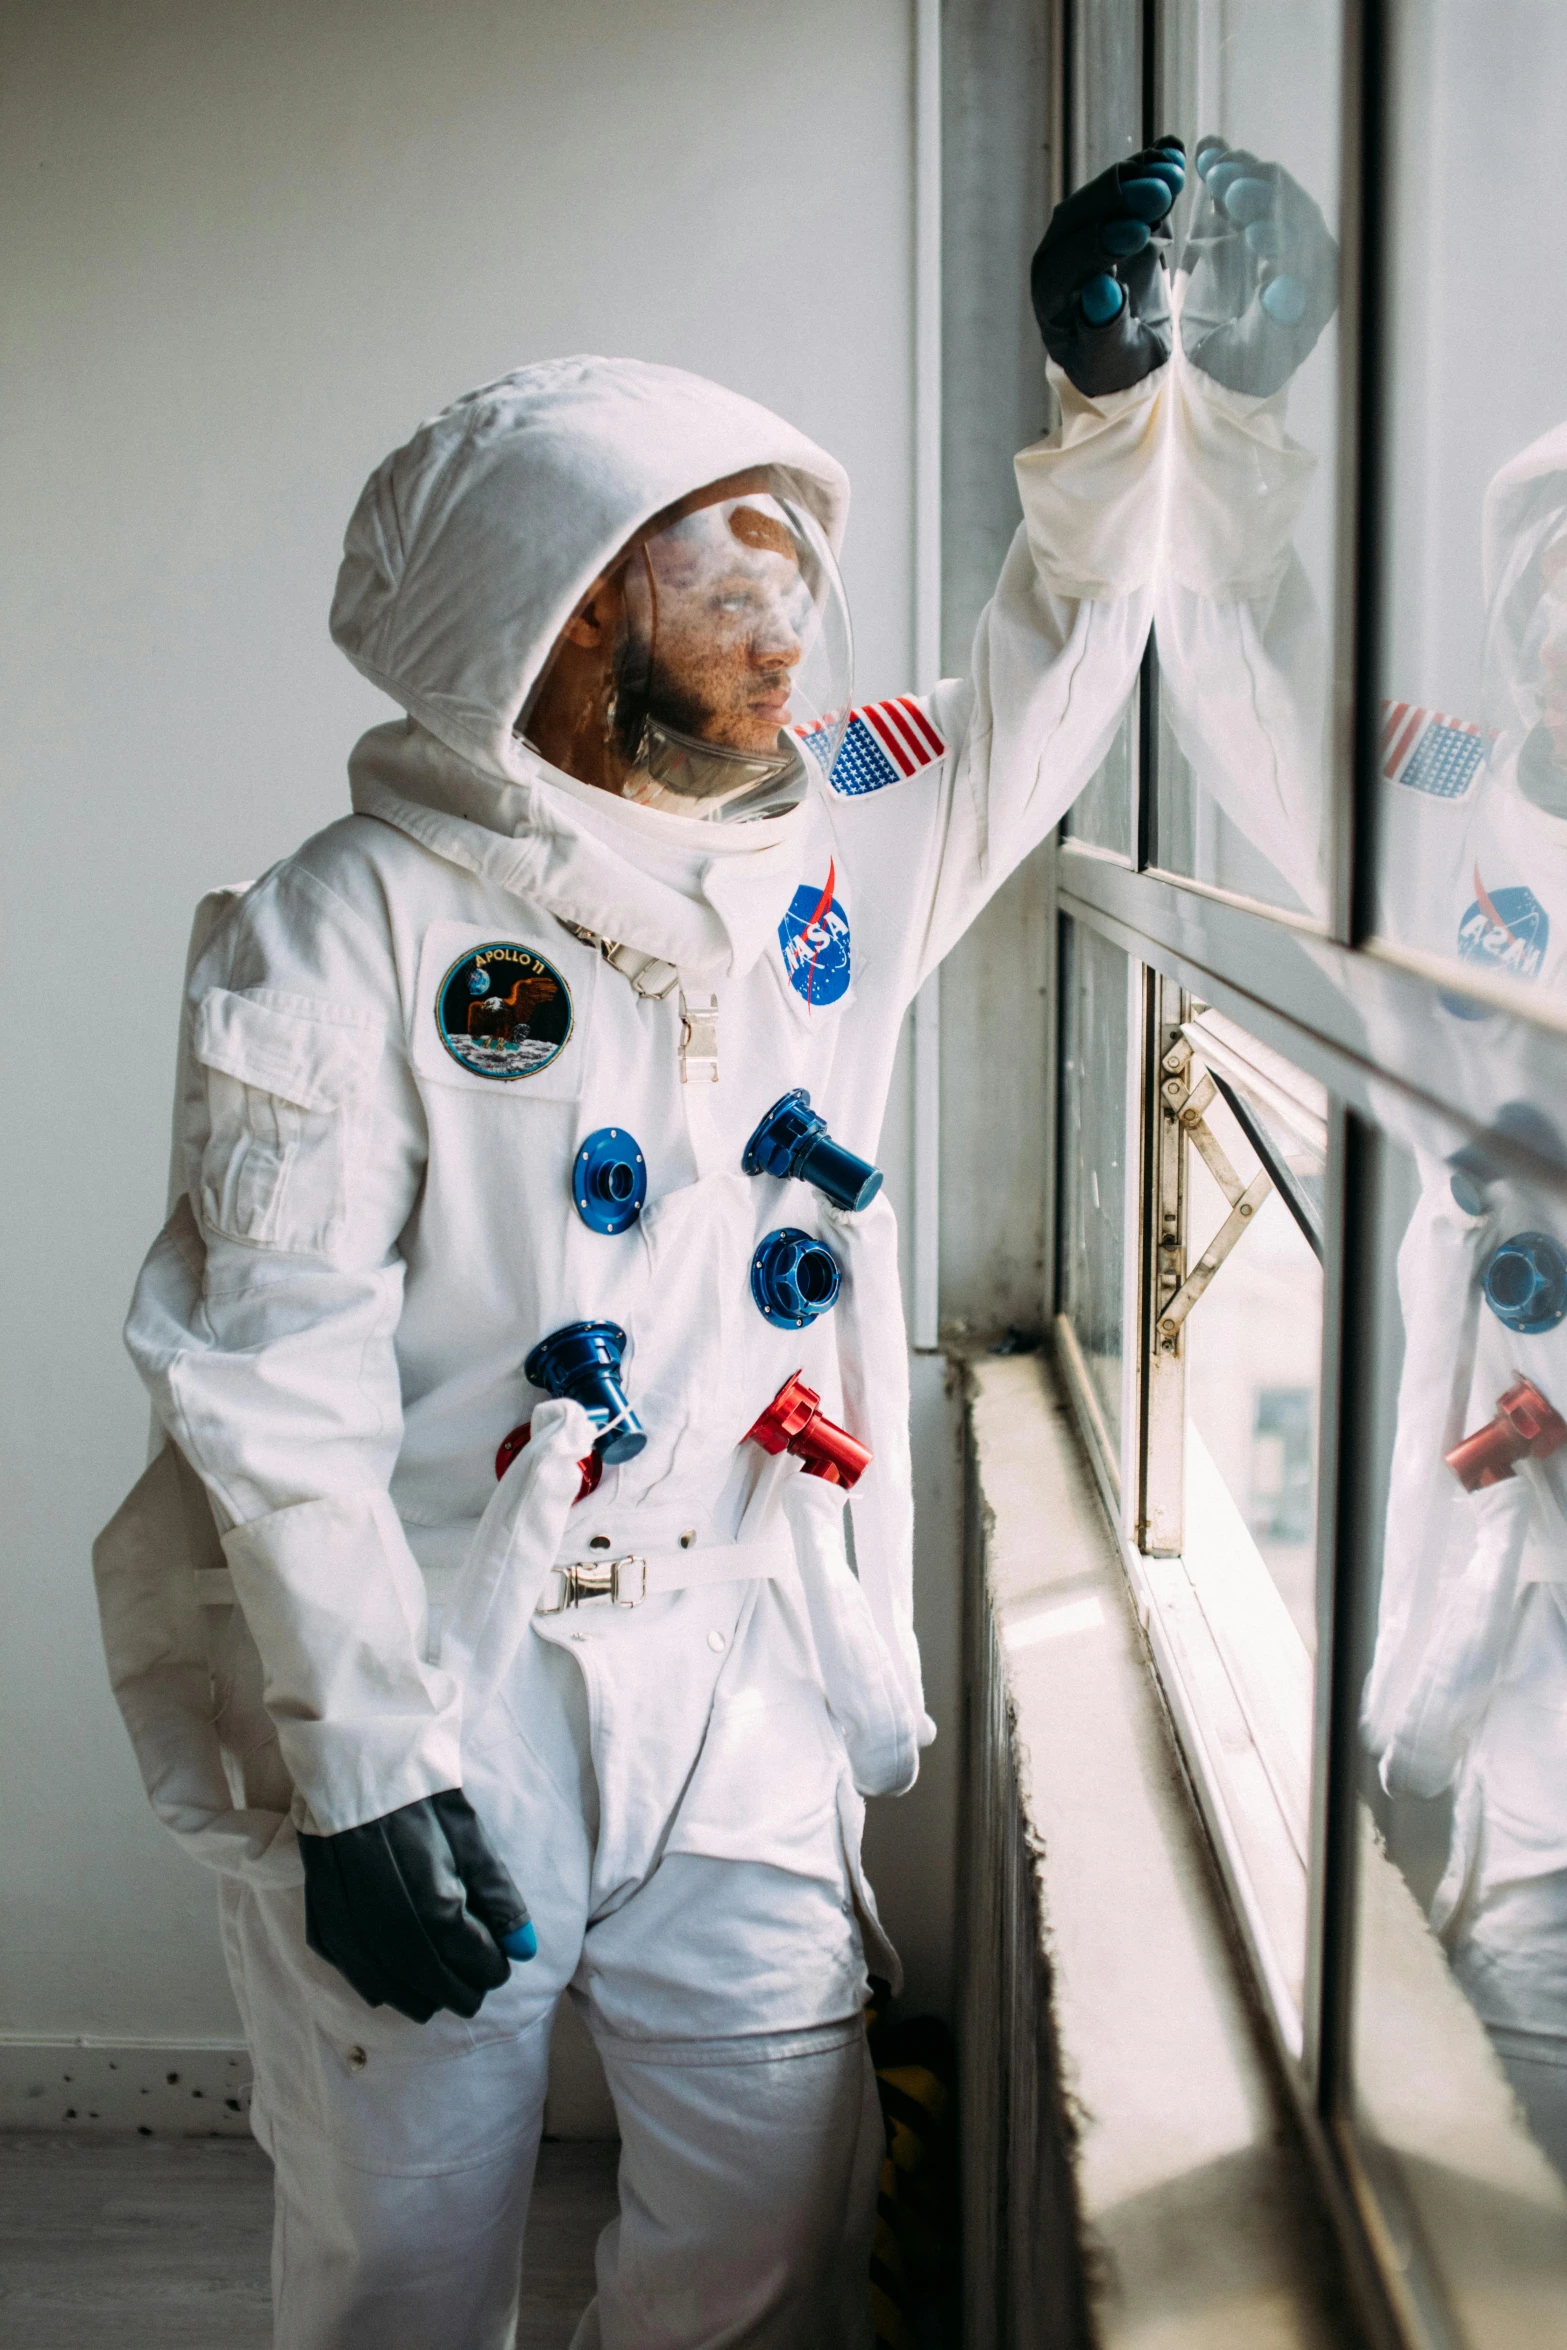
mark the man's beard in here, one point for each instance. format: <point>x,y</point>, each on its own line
<point>653,692</point>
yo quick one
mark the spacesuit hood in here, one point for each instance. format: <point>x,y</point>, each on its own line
<point>472,545</point>
<point>1525,509</point>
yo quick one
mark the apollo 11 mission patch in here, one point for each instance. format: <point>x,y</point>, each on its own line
<point>503,1012</point>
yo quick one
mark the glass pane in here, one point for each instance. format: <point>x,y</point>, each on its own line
<point>1473,796</point>
<point>1254,1340</point>
<point>1106,77</point>
<point>1460,2013</point>
<point>1244,604</point>
<point>1095,1043</point>
<point>1104,810</point>
<point>1256,1133</point>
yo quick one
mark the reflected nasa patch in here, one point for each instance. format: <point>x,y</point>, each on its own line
<point>503,1012</point>
<point>814,936</point>
<point>1505,931</point>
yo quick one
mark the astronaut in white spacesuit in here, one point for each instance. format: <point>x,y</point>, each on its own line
<point>486,1621</point>
<point>1468,1689</point>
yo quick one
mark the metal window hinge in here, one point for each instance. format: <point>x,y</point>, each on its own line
<point>1245,1198</point>
<point>698,1040</point>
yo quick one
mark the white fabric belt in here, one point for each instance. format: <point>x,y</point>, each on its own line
<point>629,1577</point>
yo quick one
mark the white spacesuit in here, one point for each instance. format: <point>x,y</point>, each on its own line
<point>1468,1690</point>
<point>397,1044</point>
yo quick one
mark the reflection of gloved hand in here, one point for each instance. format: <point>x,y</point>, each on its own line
<point>1263,269</point>
<point>1098,281</point>
<point>415,1908</point>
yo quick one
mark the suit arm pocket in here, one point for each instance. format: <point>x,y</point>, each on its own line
<point>282,1080</point>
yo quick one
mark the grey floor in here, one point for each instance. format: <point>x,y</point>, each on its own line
<point>162,2243</point>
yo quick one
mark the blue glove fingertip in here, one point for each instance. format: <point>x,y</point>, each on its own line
<point>1147,199</point>
<point>1221,174</point>
<point>1102,299</point>
<point>1246,200</point>
<point>1123,238</point>
<point>522,1943</point>
<point>1284,300</point>
<point>1269,239</point>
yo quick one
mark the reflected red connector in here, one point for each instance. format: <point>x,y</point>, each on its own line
<point>795,1422</point>
<point>592,1468</point>
<point>1526,1427</point>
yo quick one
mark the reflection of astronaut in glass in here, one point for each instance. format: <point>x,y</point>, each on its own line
<point>1468,1688</point>
<point>1242,675</point>
<point>1474,822</point>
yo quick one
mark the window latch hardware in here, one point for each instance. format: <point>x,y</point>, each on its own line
<point>1187,1108</point>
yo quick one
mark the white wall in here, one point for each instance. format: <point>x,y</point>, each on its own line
<point>245,250</point>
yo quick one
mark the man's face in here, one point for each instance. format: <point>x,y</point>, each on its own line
<point>730,618</point>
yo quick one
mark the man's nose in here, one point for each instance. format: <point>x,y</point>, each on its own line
<point>776,644</point>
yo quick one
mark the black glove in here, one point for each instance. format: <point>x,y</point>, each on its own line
<point>1098,280</point>
<point>1263,272</point>
<point>415,1908</point>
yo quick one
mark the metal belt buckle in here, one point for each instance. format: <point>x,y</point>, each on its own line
<point>622,1581</point>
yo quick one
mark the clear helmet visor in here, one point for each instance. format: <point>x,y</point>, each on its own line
<point>719,660</point>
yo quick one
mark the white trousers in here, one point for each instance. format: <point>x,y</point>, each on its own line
<point>725,1997</point>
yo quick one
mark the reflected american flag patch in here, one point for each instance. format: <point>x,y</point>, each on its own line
<point>884,742</point>
<point>1427,751</point>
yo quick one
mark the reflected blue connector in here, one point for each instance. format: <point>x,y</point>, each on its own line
<point>793,1140</point>
<point>522,1943</point>
<point>609,1180</point>
<point>583,1361</point>
<point>793,1278</point>
<point>1526,1283</point>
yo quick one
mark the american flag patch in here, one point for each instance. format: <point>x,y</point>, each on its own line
<point>883,743</point>
<point>1428,751</point>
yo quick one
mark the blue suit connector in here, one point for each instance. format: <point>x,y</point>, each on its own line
<point>583,1361</point>
<point>793,1140</point>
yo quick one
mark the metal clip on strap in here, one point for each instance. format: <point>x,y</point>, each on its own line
<point>698,1041</point>
<point>649,976</point>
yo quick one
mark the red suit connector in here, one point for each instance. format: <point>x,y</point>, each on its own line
<point>1525,1427</point>
<point>795,1422</point>
<point>592,1468</point>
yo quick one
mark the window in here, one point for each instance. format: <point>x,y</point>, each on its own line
<point>1311,1249</point>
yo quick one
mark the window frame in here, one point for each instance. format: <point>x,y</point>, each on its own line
<point>1314,995</point>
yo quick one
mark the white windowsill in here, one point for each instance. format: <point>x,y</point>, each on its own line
<point>1207,2220</point>
<point>1204,2225</point>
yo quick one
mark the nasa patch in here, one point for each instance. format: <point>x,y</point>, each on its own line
<point>1507,930</point>
<point>504,1012</point>
<point>814,936</point>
